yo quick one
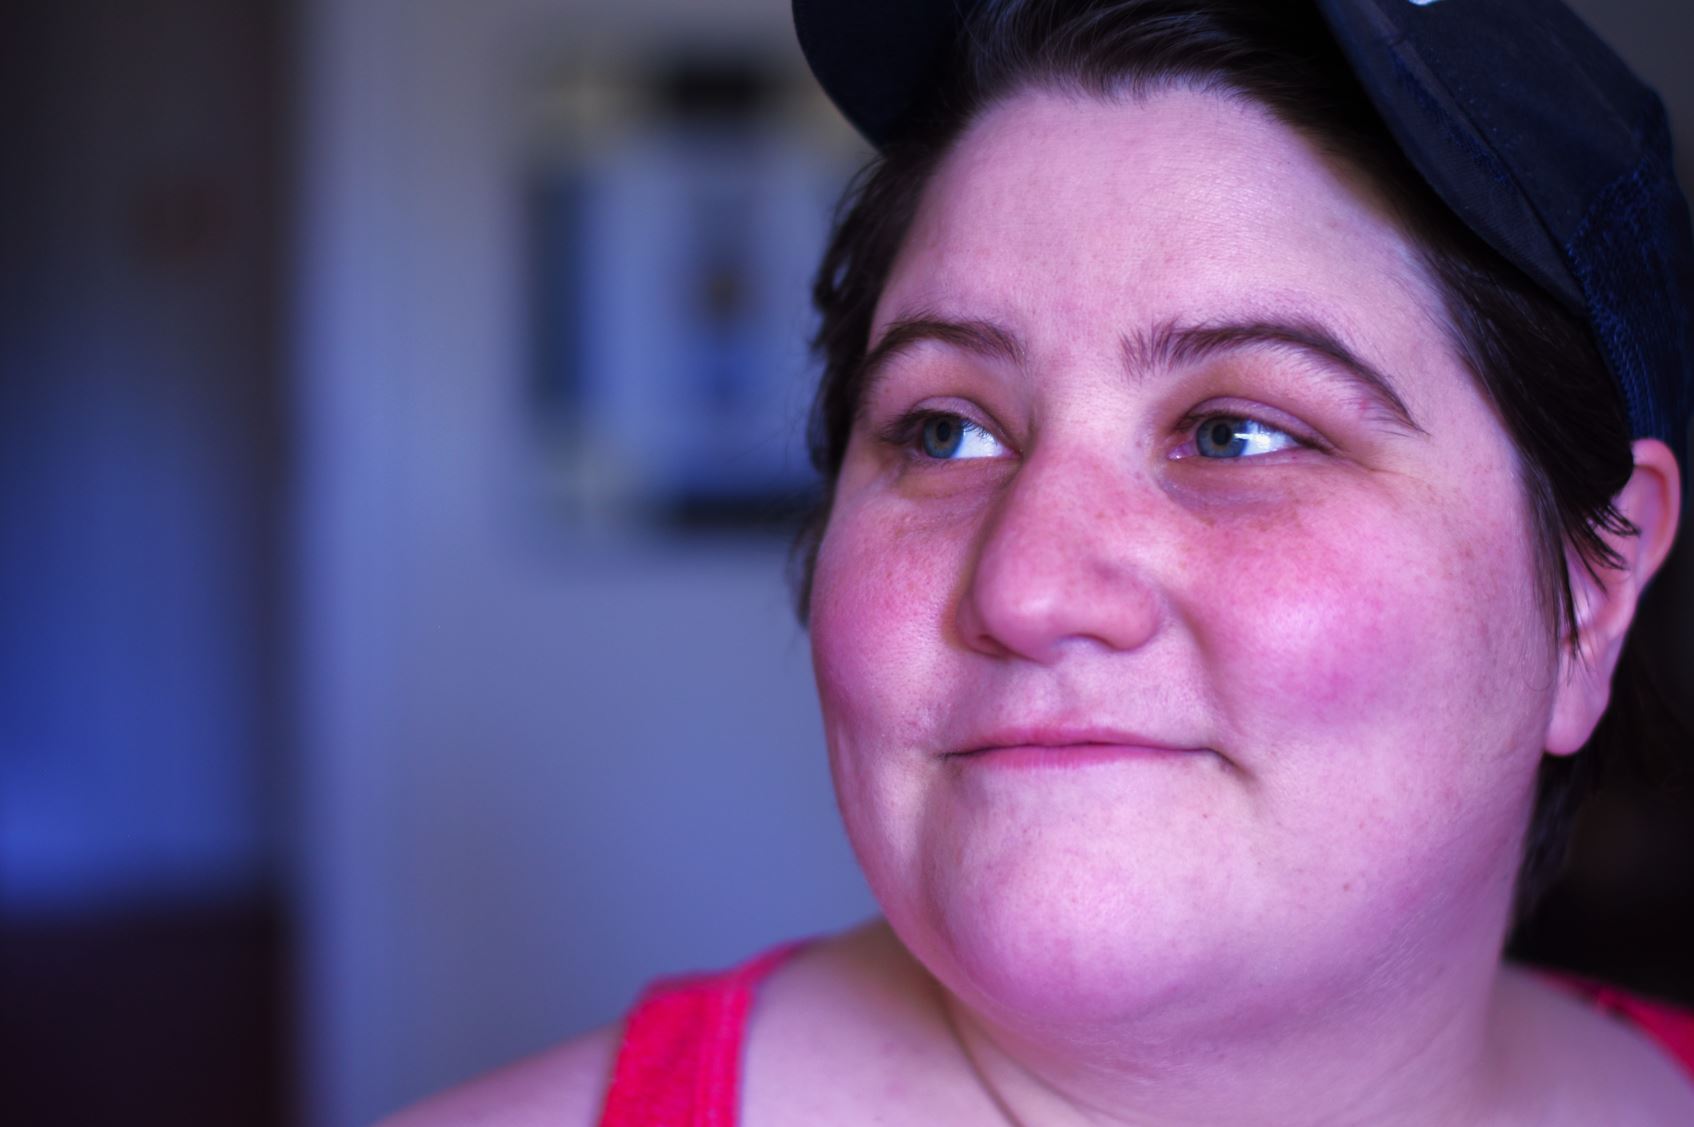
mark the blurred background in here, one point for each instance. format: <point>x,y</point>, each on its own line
<point>400,414</point>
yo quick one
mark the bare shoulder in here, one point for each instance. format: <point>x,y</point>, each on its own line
<point>849,1032</point>
<point>561,1087</point>
<point>1594,1059</point>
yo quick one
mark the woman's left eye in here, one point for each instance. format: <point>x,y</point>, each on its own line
<point>953,438</point>
<point>1233,437</point>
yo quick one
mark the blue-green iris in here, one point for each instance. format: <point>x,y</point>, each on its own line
<point>942,435</point>
<point>1230,437</point>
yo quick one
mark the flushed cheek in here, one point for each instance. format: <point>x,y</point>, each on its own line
<point>879,600</point>
<point>879,621</point>
<point>1374,683</point>
<point>1333,622</point>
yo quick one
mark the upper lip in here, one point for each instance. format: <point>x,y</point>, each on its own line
<point>1066,735</point>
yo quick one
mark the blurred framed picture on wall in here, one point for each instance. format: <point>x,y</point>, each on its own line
<point>676,215</point>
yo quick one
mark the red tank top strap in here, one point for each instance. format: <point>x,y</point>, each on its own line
<point>680,1060</point>
<point>1671,1027</point>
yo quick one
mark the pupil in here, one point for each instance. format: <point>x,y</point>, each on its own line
<point>1222,434</point>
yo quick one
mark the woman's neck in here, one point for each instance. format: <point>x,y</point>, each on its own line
<point>1383,1055</point>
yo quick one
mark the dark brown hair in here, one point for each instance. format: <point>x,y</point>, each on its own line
<point>1534,360</point>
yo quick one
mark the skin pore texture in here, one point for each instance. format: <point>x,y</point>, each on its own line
<point>1182,671</point>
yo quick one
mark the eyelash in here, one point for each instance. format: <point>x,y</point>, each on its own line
<point>1193,424</point>
<point>906,432</point>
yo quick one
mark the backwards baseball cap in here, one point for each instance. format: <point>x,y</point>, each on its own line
<point>1527,126</point>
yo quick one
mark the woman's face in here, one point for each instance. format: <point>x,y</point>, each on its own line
<point>1175,625</point>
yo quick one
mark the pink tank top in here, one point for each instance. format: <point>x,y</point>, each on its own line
<point>680,1060</point>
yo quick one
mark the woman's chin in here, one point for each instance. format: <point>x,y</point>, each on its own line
<point>1035,959</point>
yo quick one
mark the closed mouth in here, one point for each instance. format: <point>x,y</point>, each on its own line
<point>1048,757</point>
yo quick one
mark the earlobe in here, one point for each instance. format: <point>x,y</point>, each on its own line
<point>1605,607</point>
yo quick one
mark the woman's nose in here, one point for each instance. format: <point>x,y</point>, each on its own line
<point>1068,557</point>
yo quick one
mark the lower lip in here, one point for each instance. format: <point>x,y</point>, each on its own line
<point>1066,757</point>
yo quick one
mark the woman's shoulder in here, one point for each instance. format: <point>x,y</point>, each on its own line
<point>845,1024</point>
<point>562,1085</point>
<point>675,1043</point>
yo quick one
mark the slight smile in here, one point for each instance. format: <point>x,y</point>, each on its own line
<point>1065,747</point>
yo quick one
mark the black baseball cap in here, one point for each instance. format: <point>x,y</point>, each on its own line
<point>1519,117</point>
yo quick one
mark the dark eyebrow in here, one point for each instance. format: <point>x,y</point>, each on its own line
<point>1170,345</point>
<point>981,338</point>
<point>1166,346</point>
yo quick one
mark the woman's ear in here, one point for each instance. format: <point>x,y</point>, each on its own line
<point>1651,502</point>
<point>1605,607</point>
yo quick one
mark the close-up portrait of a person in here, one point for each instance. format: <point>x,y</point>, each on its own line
<point>1248,430</point>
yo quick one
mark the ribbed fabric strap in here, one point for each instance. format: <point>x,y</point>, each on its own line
<point>680,1061</point>
<point>1671,1027</point>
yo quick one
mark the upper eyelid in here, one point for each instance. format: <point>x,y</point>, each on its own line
<point>960,409</point>
<point>910,336</point>
<point>1295,426</point>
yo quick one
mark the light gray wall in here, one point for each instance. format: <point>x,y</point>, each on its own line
<point>538,770</point>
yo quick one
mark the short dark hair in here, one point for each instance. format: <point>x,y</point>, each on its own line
<point>1534,360</point>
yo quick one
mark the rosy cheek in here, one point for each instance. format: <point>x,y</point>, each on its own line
<point>870,601</point>
<point>1369,633</point>
<point>877,600</point>
<point>1319,644</point>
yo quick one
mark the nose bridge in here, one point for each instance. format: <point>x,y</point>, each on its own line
<point>1065,556</point>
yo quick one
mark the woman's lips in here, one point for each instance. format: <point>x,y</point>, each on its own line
<point>1046,756</point>
<point>1065,748</point>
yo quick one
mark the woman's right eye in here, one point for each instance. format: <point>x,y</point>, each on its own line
<point>953,438</point>
<point>941,436</point>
